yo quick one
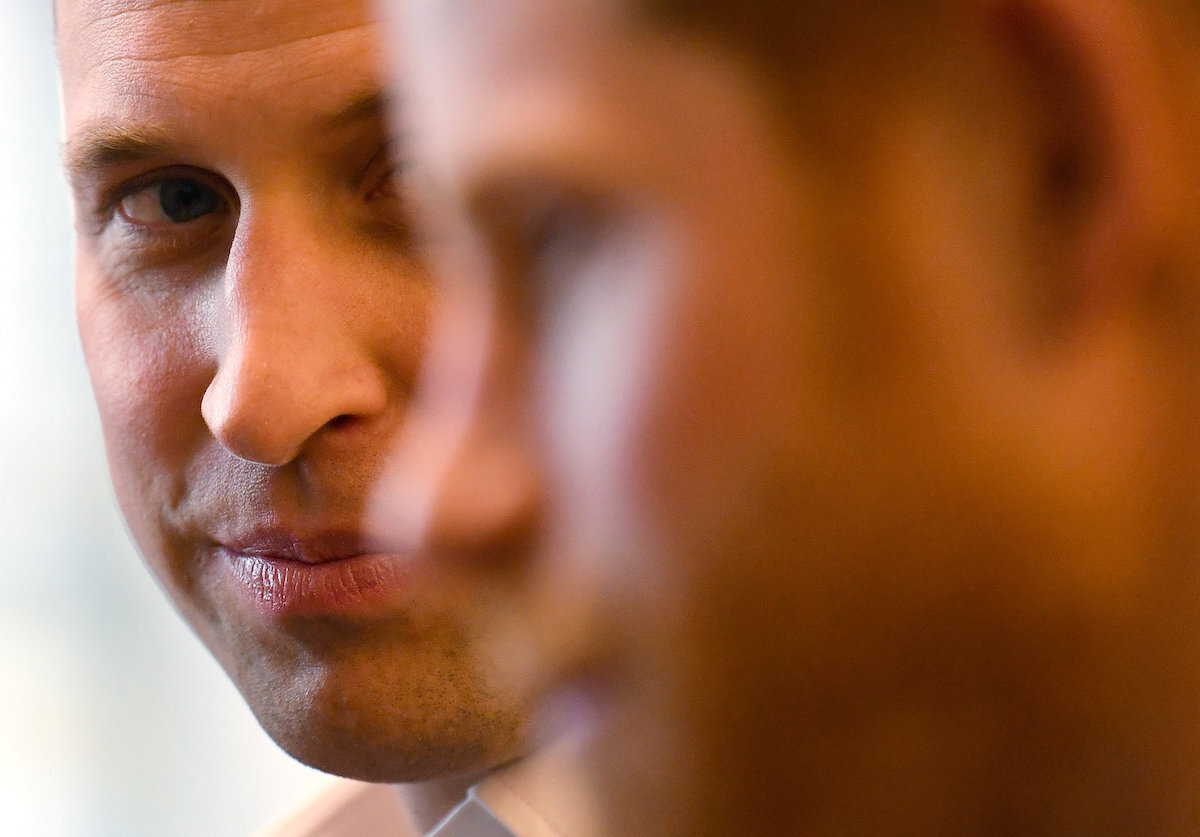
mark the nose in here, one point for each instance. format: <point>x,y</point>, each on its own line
<point>467,481</point>
<point>298,330</point>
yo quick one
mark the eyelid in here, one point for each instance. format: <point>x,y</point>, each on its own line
<point>396,165</point>
<point>111,199</point>
<point>386,178</point>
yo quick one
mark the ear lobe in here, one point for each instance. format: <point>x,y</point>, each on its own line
<point>1108,192</point>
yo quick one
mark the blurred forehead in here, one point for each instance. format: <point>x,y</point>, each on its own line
<point>476,50</point>
<point>489,81</point>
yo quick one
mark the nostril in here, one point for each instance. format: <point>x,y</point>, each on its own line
<point>340,422</point>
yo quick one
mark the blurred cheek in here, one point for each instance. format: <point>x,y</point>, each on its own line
<point>601,354</point>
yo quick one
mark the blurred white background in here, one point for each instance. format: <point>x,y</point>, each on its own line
<point>114,722</point>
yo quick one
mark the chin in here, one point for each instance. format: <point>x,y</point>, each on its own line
<point>396,760</point>
<point>389,723</point>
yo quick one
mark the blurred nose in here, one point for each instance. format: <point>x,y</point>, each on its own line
<point>467,481</point>
<point>295,330</point>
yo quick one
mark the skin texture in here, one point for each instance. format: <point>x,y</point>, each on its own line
<point>835,410</point>
<point>253,352</point>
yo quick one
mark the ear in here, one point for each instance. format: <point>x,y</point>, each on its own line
<point>1109,189</point>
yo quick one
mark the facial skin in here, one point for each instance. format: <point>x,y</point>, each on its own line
<point>253,316</point>
<point>836,428</point>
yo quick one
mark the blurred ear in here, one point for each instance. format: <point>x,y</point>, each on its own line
<point>1098,94</point>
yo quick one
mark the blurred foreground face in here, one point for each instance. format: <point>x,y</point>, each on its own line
<point>837,408</point>
<point>253,317</point>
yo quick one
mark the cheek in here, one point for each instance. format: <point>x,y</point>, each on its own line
<point>148,372</point>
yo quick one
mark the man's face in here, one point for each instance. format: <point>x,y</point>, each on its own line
<point>253,318</point>
<point>802,467</point>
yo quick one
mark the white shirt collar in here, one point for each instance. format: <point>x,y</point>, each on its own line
<point>538,796</point>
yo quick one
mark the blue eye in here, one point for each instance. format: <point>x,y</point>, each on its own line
<point>175,200</point>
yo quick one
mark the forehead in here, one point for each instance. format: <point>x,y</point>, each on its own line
<point>154,53</point>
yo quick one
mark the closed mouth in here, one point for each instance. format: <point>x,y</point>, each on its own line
<point>335,573</point>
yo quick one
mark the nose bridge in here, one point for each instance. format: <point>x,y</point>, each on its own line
<point>294,351</point>
<point>282,284</point>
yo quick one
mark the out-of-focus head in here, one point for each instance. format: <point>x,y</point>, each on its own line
<point>836,361</point>
<point>253,315</point>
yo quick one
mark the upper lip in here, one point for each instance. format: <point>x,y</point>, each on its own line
<point>283,544</point>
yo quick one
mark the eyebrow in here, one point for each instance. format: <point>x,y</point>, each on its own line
<point>373,105</point>
<point>106,144</point>
<point>109,143</point>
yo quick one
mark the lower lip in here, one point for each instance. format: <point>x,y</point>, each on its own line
<point>361,585</point>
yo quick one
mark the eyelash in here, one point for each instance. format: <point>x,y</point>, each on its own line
<point>110,202</point>
<point>109,218</point>
<point>395,185</point>
<point>397,177</point>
